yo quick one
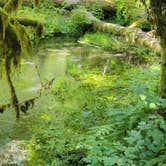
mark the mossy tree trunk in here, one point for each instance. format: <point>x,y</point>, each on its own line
<point>157,16</point>
<point>14,41</point>
<point>132,35</point>
<point>163,69</point>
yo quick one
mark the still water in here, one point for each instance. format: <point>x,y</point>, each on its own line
<point>50,62</point>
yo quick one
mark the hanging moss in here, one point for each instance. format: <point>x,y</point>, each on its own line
<point>12,6</point>
<point>4,22</point>
<point>14,41</point>
<point>36,3</point>
<point>37,25</point>
<point>2,3</point>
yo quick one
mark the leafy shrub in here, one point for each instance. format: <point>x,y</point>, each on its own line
<point>127,11</point>
<point>58,150</point>
<point>145,27</point>
<point>97,11</point>
<point>79,23</point>
<point>59,21</point>
<point>143,146</point>
<point>103,120</point>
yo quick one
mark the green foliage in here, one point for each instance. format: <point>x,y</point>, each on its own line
<point>97,11</point>
<point>102,40</point>
<point>112,144</point>
<point>98,118</point>
<point>59,21</point>
<point>79,23</point>
<point>143,53</point>
<point>102,120</point>
<point>14,39</point>
<point>47,13</point>
<point>127,11</point>
<point>58,151</point>
<point>14,42</point>
<point>145,145</point>
<point>145,27</point>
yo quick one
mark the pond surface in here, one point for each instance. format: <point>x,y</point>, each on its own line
<point>50,62</point>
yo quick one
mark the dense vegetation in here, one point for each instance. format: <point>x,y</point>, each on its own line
<point>109,107</point>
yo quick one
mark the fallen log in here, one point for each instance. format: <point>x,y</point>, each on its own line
<point>132,35</point>
<point>139,22</point>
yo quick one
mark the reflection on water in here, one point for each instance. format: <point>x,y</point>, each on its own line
<point>51,63</point>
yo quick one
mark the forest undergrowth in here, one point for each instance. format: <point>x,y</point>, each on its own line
<point>106,119</point>
<point>107,110</point>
